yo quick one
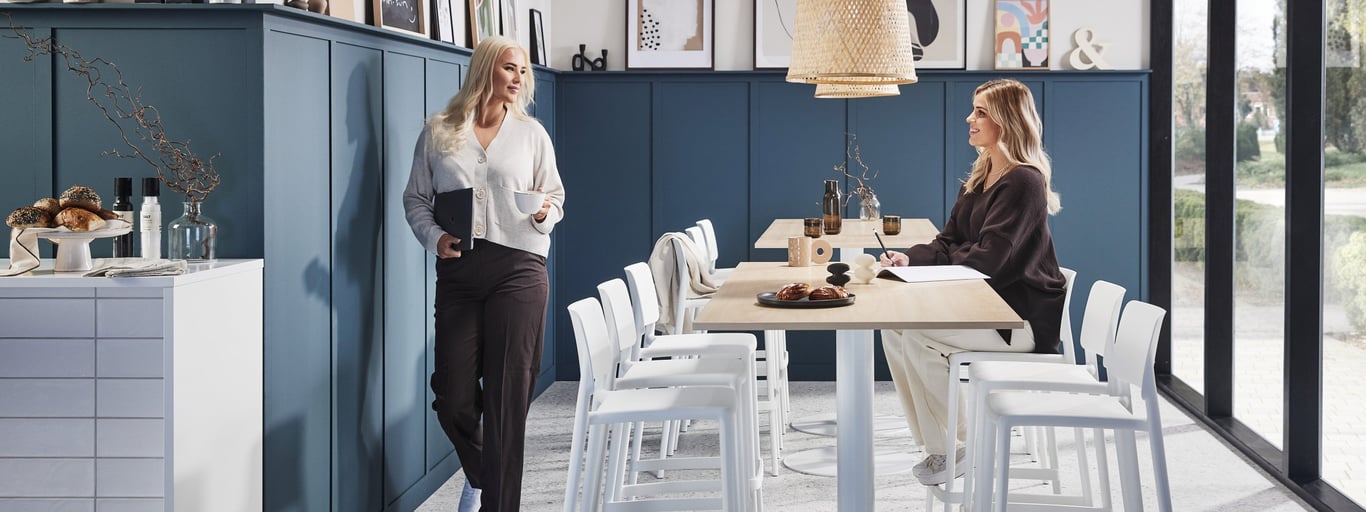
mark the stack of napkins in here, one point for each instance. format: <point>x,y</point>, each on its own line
<point>136,267</point>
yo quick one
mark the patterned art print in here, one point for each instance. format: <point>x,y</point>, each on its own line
<point>669,34</point>
<point>1021,34</point>
<point>669,25</point>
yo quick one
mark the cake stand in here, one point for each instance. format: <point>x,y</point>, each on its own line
<point>73,247</point>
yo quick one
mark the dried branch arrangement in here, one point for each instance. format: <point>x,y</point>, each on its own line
<point>177,167</point>
<point>864,191</point>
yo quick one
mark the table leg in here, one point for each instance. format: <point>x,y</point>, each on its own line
<point>854,442</point>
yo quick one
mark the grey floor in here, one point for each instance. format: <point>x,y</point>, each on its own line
<point>1206,474</point>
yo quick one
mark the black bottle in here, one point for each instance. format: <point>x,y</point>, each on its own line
<point>830,207</point>
<point>123,206</point>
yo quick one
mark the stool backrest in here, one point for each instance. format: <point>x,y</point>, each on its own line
<point>1067,345</point>
<point>644,298</point>
<point>1130,361</point>
<point>621,319</point>
<point>1102,315</point>
<point>596,354</point>
<point>709,235</point>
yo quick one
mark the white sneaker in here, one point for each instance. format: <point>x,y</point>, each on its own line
<point>936,469</point>
<point>469,498</point>
<point>923,468</point>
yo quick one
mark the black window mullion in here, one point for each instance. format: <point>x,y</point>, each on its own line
<point>1221,93</point>
<point>1304,241</point>
<point>1160,174</point>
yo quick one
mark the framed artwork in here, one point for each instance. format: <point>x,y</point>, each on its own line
<point>938,33</point>
<point>1021,34</point>
<point>508,19</point>
<point>774,23</point>
<point>669,34</point>
<point>484,17</point>
<point>401,15</point>
<point>538,49</point>
<point>443,26</point>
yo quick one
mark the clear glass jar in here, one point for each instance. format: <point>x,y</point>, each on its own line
<point>192,236</point>
<point>869,207</point>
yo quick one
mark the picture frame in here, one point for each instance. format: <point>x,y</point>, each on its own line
<point>484,17</point>
<point>539,52</point>
<point>1022,34</point>
<point>443,25</point>
<point>670,34</point>
<point>401,15</point>
<point>507,21</point>
<point>774,24</point>
<point>938,33</point>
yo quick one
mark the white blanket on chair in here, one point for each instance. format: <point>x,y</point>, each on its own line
<point>664,267</point>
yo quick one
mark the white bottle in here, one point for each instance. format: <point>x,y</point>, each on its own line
<point>150,219</point>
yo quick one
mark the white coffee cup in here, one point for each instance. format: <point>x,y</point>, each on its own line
<point>529,201</point>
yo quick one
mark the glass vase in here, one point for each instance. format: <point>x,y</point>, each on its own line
<point>869,208</point>
<point>192,236</point>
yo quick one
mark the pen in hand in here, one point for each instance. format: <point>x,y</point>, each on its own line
<point>885,252</point>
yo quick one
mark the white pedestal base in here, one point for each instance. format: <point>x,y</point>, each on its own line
<point>823,461</point>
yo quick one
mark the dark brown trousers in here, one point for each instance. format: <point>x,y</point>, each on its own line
<point>490,317</point>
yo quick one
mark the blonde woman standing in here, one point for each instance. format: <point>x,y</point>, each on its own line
<point>999,226</point>
<point>490,300</point>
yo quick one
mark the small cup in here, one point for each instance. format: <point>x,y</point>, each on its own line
<point>812,227</point>
<point>891,224</point>
<point>530,201</point>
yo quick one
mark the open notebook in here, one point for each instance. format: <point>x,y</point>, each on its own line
<point>928,273</point>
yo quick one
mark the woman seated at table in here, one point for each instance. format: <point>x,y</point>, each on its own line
<point>999,226</point>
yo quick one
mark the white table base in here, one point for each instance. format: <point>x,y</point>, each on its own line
<point>823,461</point>
<point>825,425</point>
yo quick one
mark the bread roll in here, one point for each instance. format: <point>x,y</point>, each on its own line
<point>79,219</point>
<point>829,292</point>
<point>80,197</point>
<point>794,291</point>
<point>48,204</point>
<point>29,217</point>
<point>106,214</point>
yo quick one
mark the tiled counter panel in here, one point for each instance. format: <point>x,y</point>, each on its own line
<point>84,387</point>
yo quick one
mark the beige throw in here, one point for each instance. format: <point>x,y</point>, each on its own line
<point>664,267</point>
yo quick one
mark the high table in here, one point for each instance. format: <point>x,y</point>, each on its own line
<point>883,304</point>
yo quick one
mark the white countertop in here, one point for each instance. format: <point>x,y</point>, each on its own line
<point>44,277</point>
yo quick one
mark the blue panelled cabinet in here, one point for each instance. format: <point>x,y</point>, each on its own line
<point>315,120</point>
<point>654,152</point>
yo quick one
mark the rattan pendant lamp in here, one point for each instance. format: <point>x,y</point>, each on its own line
<point>862,46</point>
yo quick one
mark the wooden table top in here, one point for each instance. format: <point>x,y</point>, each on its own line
<point>854,234</point>
<point>884,304</point>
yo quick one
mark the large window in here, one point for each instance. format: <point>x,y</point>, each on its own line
<point>1188,194</point>
<point>1344,247</point>
<point>1259,225</point>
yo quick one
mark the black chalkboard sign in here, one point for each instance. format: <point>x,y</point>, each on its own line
<point>406,15</point>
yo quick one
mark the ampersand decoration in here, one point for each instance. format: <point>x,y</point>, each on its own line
<point>1088,48</point>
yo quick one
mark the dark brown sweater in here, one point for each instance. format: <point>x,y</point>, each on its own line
<point>1003,232</point>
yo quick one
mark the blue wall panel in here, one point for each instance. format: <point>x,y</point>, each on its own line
<point>1096,142</point>
<point>902,141</point>
<point>604,149</point>
<point>24,136</point>
<point>701,162</point>
<point>209,63</point>
<point>443,80</point>
<point>298,291</point>
<point>405,361</point>
<point>357,286</point>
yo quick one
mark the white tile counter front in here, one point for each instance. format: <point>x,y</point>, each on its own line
<point>132,394</point>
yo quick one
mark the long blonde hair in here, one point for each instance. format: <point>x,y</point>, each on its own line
<point>451,127</point>
<point>1010,105</point>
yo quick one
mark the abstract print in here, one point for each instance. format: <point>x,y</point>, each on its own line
<point>1021,34</point>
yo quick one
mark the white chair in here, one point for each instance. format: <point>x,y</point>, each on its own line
<point>685,306</point>
<point>601,407</point>
<point>959,361</point>
<point>772,360</point>
<point>637,362</point>
<point>1097,336</point>
<point>1128,363</point>
<point>713,253</point>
